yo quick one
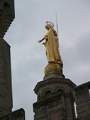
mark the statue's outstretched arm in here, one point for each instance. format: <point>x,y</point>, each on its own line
<point>41,40</point>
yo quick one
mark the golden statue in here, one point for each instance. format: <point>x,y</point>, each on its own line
<point>51,43</point>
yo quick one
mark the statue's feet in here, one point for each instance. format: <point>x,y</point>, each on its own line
<point>54,68</point>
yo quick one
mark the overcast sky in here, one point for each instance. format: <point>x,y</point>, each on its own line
<point>28,57</point>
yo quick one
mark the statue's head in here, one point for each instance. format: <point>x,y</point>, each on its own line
<point>49,25</point>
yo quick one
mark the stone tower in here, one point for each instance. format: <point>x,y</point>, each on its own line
<point>55,99</point>
<point>6,17</point>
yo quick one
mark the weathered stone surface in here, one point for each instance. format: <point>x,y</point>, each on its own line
<point>16,115</point>
<point>83,101</point>
<point>55,99</point>
<point>5,79</point>
<point>7,15</point>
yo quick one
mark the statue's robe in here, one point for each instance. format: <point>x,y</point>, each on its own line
<point>52,47</point>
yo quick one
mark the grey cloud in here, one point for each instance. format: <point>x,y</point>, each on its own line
<point>77,58</point>
<point>83,48</point>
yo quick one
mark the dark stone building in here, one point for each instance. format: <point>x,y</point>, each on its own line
<point>7,15</point>
<point>5,79</point>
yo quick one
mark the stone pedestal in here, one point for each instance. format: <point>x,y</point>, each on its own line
<point>55,99</point>
<point>5,79</point>
<point>54,68</point>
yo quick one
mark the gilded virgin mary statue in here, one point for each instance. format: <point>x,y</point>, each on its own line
<point>51,43</point>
